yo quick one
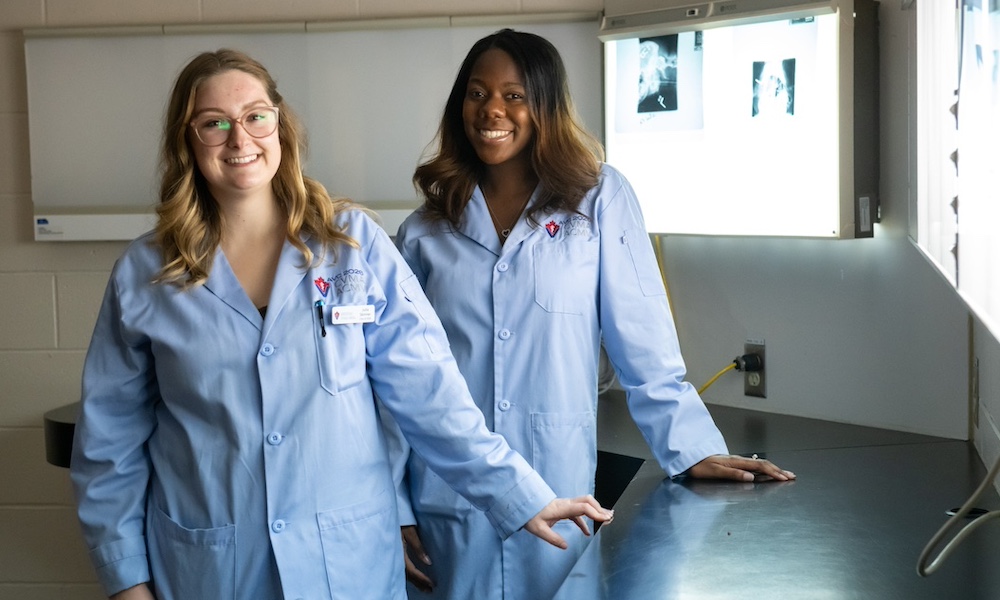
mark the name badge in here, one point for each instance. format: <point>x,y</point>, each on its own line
<point>359,313</point>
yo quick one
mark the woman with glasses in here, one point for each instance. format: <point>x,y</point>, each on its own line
<point>532,251</point>
<point>229,443</point>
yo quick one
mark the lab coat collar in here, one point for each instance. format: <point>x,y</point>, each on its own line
<point>222,282</point>
<point>291,271</point>
<point>477,224</point>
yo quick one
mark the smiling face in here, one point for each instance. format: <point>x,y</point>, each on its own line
<point>496,112</point>
<point>244,165</point>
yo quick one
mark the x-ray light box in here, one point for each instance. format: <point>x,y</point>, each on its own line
<point>739,117</point>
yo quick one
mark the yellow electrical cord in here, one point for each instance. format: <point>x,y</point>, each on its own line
<point>670,303</point>
<point>731,366</point>
<point>663,272</point>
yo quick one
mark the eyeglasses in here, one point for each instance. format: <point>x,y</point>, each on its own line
<point>214,129</point>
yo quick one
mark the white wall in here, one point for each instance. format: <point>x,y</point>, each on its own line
<point>986,417</point>
<point>857,331</point>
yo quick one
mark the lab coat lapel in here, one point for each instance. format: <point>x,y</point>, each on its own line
<point>522,228</point>
<point>290,272</point>
<point>222,283</point>
<point>477,225</point>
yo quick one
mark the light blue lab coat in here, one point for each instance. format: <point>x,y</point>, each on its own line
<point>525,321</point>
<point>230,456</point>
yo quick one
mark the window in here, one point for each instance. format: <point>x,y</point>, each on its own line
<point>958,147</point>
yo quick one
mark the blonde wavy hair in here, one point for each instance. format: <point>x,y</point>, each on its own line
<point>189,226</point>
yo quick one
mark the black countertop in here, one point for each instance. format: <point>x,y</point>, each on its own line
<point>852,525</point>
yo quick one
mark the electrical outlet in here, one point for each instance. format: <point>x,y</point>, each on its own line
<point>754,382</point>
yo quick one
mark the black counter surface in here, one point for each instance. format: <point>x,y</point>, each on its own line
<point>851,526</point>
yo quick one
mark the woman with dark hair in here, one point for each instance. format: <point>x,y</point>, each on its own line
<point>229,443</point>
<point>532,251</point>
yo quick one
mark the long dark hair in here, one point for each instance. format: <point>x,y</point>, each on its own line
<point>565,157</point>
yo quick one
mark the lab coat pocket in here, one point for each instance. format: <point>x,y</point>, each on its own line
<point>566,276</point>
<point>564,451</point>
<point>362,549</point>
<point>191,563</point>
<point>340,353</point>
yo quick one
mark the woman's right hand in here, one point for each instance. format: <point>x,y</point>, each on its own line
<point>563,508</point>
<point>413,545</point>
<point>138,592</point>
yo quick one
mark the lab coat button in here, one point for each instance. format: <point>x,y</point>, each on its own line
<point>267,350</point>
<point>278,526</point>
<point>275,438</point>
<point>502,267</point>
<point>504,334</point>
<point>504,405</point>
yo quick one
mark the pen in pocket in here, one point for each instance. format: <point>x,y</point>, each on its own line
<point>319,315</point>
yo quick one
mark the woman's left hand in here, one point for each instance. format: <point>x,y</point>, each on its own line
<point>564,508</point>
<point>738,468</point>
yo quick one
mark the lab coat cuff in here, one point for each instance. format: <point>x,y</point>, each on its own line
<point>520,504</point>
<point>121,564</point>
<point>405,512</point>
<point>692,456</point>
